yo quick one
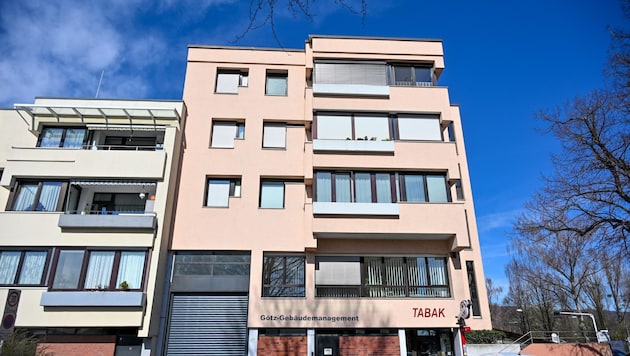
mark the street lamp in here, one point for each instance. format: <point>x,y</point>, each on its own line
<point>601,336</point>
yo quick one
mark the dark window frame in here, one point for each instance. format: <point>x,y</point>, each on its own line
<point>234,181</point>
<point>391,74</point>
<point>278,182</point>
<point>18,271</point>
<point>17,185</point>
<point>268,286</point>
<point>63,135</point>
<point>84,268</point>
<point>243,78</point>
<point>282,74</point>
<point>403,186</point>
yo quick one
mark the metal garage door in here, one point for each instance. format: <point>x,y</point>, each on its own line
<point>207,325</point>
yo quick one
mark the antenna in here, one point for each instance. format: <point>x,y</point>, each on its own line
<point>98,88</point>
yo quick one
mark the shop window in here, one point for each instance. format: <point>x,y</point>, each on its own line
<point>283,276</point>
<point>37,196</point>
<point>225,132</point>
<point>100,270</point>
<point>229,80</point>
<point>22,267</point>
<point>220,190</point>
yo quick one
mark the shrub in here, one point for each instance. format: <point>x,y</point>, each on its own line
<point>484,336</point>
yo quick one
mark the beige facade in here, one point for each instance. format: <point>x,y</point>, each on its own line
<point>86,199</point>
<point>338,173</point>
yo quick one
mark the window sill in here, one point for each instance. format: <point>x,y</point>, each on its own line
<point>382,209</point>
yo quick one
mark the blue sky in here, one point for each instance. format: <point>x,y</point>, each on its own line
<point>505,60</point>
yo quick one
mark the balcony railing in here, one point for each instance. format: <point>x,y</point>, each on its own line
<point>323,291</point>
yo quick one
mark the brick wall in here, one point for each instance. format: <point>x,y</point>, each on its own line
<point>282,345</point>
<point>369,346</point>
<point>76,345</point>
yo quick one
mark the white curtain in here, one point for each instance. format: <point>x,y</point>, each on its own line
<point>49,196</point>
<point>383,188</point>
<point>51,137</point>
<point>33,267</point>
<point>437,270</point>
<point>371,127</point>
<point>414,187</point>
<point>419,128</point>
<point>324,186</point>
<point>25,197</point>
<point>223,134</point>
<point>218,193</point>
<point>374,275</point>
<point>342,188</point>
<point>99,269</point>
<point>227,83</point>
<point>74,138</point>
<point>394,276</point>
<point>9,261</point>
<point>363,186</point>
<point>436,186</point>
<point>131,269</point>
<point>274,135</point>
<point>334,127</point>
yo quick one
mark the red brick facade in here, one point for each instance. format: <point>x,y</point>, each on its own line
<point>282,345</point>
<point>78,345</point>
<point>369,346</point>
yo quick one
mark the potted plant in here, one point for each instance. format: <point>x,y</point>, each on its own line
<point>123,285</point>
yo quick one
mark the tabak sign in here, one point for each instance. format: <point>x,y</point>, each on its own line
<point>428,313</point>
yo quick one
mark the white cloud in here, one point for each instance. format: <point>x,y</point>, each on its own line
<point>503,220</point>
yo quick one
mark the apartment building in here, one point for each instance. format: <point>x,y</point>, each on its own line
<point>325,205</point>
<point>86,192</point>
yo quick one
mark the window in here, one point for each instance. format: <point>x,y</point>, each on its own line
<point>411,75</point>
<point>271,194</point>
<point>415,187</point>
<point>219,191</point>
<point>363,73</point>
<point>274,135</point>
<point>418,127</point>
<point>211,264</point>
<point>276,83</point>
<point>283,276</point>
<point>95,269</point>
<point>381,277</point>
<point>228,80</point>
<point>38,196</point>
<point>225,132</point>
<point>472,287</point>
<point>358,187</point>
<point>66,137</point>
<point>22,267</point>
<point>352,126</point>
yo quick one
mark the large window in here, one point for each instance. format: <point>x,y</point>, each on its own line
<point>209,263</point>
<point>380,187</point>
<point>219,191</point>
<point>411,75</point>
<point>23,267</point>
<point>38,196</point>
<point>283,276</point>
<point>66,137</point>
<point>95,269</point>
<point>377,127</point>
<point>225,132</point>
<point>276,83</point>
<point>382,277</point>
<point>228,80</point>
<point>362,73</point>
<point>271,194</point>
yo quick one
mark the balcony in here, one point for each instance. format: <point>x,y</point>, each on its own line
<point>93,299</point>
<point>110,205</point>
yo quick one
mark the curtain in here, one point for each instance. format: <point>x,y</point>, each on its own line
<point>425,127</point>
<point>334,127</point>
<point>383,188</point>
<point>51,137</point>
<point>25,197</point>
<point>374,276</point>
<point>33,267</point>
<point>414,188</point>
<point>74,138</point>
<point>227,82</point>
<point>436,186</point>
<point>49,196</point>
<point>131,269</point>
<point>99,269</point>
<point>342,188</point>
<point>363,186</point>
<point>223,134</point>
<point>371,127</point>
<point>394,276</point>
<point>324,186</point>
<point>9,261</point>
<point>437,270</point>
<point>274,135</point>
<point>218,193</point>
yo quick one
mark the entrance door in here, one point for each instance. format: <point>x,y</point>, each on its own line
<point>327,345</point>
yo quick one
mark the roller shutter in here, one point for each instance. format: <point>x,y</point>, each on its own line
<point>207,325</point>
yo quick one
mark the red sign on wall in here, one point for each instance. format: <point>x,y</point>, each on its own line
<point>10,313</point>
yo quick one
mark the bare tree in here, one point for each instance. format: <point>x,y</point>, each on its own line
<point>264,13</point>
